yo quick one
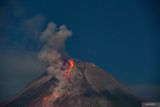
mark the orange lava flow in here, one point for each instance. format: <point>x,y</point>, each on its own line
<point>71,65</point>
<point>45,102</point>
<point>46,98</point>
<point>55,96</point>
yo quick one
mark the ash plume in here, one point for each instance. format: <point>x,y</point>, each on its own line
<point>53,39</point>
<point>53,52</point>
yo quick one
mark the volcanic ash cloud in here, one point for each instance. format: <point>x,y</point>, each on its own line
<point>53,52</point>
<point>53,39</point>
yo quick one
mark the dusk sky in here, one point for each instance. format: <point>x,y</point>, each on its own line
<point>121,36</point>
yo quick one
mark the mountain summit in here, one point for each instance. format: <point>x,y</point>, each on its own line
<point>68,82</point>
<point>81,84</point>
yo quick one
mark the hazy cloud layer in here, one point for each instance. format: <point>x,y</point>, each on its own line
<point>33,25</point>
<point>19,33</point>
<point>151,92</point>
<point>17,68</point>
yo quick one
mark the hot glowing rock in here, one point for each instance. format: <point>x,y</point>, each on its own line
<point>71,65</point>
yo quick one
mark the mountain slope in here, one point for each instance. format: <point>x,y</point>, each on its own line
<point>87,86</point>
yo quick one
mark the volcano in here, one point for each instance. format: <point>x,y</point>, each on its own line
<point>87,86</point>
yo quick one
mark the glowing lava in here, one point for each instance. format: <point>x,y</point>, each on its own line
<point>46,102</point>
<point>46,98</point>
<point>71,65</point>
<point>55,96</point>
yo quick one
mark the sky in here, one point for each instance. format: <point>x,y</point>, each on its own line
<point>121,36</point>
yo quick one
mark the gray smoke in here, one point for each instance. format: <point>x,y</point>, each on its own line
<point>54,39</point>
<point>53,53</point>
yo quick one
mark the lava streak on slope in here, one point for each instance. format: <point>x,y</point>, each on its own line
<point>47,102</point>
<point>55,95</point>
<point>71,65</point>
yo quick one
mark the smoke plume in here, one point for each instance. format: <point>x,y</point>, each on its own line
<point>53,53</point>
<point>54,39</point>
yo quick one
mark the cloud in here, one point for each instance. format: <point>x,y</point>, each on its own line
<point>17,68</point>
<point>19,63</point>
<point>33,25</point>
<point>151,92</point>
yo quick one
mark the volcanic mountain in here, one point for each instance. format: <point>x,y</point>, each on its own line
<point>86,86</point>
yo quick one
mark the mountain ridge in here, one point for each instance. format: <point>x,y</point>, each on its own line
<point>88,86</point>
